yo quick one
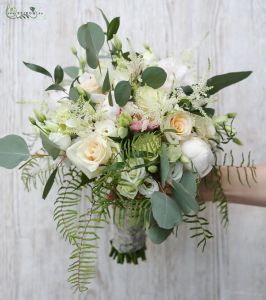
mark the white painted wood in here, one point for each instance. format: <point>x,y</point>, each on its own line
<point>33,258</point>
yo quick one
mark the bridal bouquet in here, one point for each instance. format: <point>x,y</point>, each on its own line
<point>127,138</point>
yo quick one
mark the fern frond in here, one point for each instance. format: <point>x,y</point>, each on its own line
<point>65,212</point>
<point>199,227</point>
<point>38,170</point>
<point>84,255</point>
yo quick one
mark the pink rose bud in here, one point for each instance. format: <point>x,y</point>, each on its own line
<point>136,126</point>
<point>152,125</point>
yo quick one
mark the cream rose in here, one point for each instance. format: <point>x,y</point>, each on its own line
<point>200,154</point>
<point>182,123</point>
<point>90,153</point>
<point>89,84</point>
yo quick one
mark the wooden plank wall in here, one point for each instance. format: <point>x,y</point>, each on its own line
<point>33,258</point>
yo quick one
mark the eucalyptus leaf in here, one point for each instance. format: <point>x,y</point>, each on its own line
<point>49,184</point>
<point>49,146</point>
<point>106,83</point>
<point>92,58</point>
<point>90,35</point>
<point>13,150</point>
<point>113,28</point>
<point>72,71</point>
<point>38,69</point>
<point>58,74</point>
<point>165,210</point>
<point>221,81</point>
<point>55,87</point>
<point>122,92</point>
<point>154,77</point>
<point>157,234</point>
<point>73,94</point>
<point>164,164</point>
<point>185,193</point>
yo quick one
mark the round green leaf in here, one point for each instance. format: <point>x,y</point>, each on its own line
<point>91,36</point>
<point>122,92</point>
<point>113,28</point>
<point>72,71</point>
<point>154,77</point>
<point>13,150</point>
<point>157,234</point>
<point>58,74</point>
<point>165,210</point>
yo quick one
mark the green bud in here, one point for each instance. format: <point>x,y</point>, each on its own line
<point>32,120</point>
<point>82,62</point>
<point>74,50</point>
<point>220,120</point>
<point>124,119</point>
<point>237,141</point>
<point>40,116</point>
<point>153,169</point>
<point>117,42</point>
<point>231,115</point>
<point>122,132</point>
<point>80,90</point>
<point>229,129</point>
<point>184,159</point>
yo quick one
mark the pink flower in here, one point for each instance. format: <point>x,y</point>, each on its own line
<point>136,126</point>
<point>152,125</point>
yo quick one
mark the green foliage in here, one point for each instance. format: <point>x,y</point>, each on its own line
<point>122,92</point>
<point>154,77</point>
<point>106,83</point>
<point>58,74</point>
<point>49,146</point>
<point>13,150</point>
<point>148,144</point>
<point>185,193</point>
<point>165,210</point>
<point>112,28</point>
<point>68,198</point>
<point>91,38</point>
<point>164,164</point>
<point>73,94</point>
<point>157,234</point>
<point>72,71</point>
<point>55,87</point>
<point>199,228</point>
<point>38,69</point>
<point>49,183</point>
<point>83,256</point>
<point>221,81</point>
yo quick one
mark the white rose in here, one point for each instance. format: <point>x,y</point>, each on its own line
<point>182,123</point>
<point>205,126</point>
<point>106,128</point>
<point>175,172</point>
<point>89,83</point>
<point>135,175</point>
<point>150,99</point>
<point>200,153</point>
<point>148,187</point>
<point>63,141</point>
<point>88,154</point>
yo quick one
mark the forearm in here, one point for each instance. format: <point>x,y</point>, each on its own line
<point>255,194</point>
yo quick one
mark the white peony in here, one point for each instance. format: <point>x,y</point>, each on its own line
<point>182,123</point>
<point>200,154</point>
<point>106,128</point>
<point>148,187</point>
<point>63,141</point>
<point>90,153</point>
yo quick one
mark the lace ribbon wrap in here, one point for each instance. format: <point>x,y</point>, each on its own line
<point>128,241</point>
